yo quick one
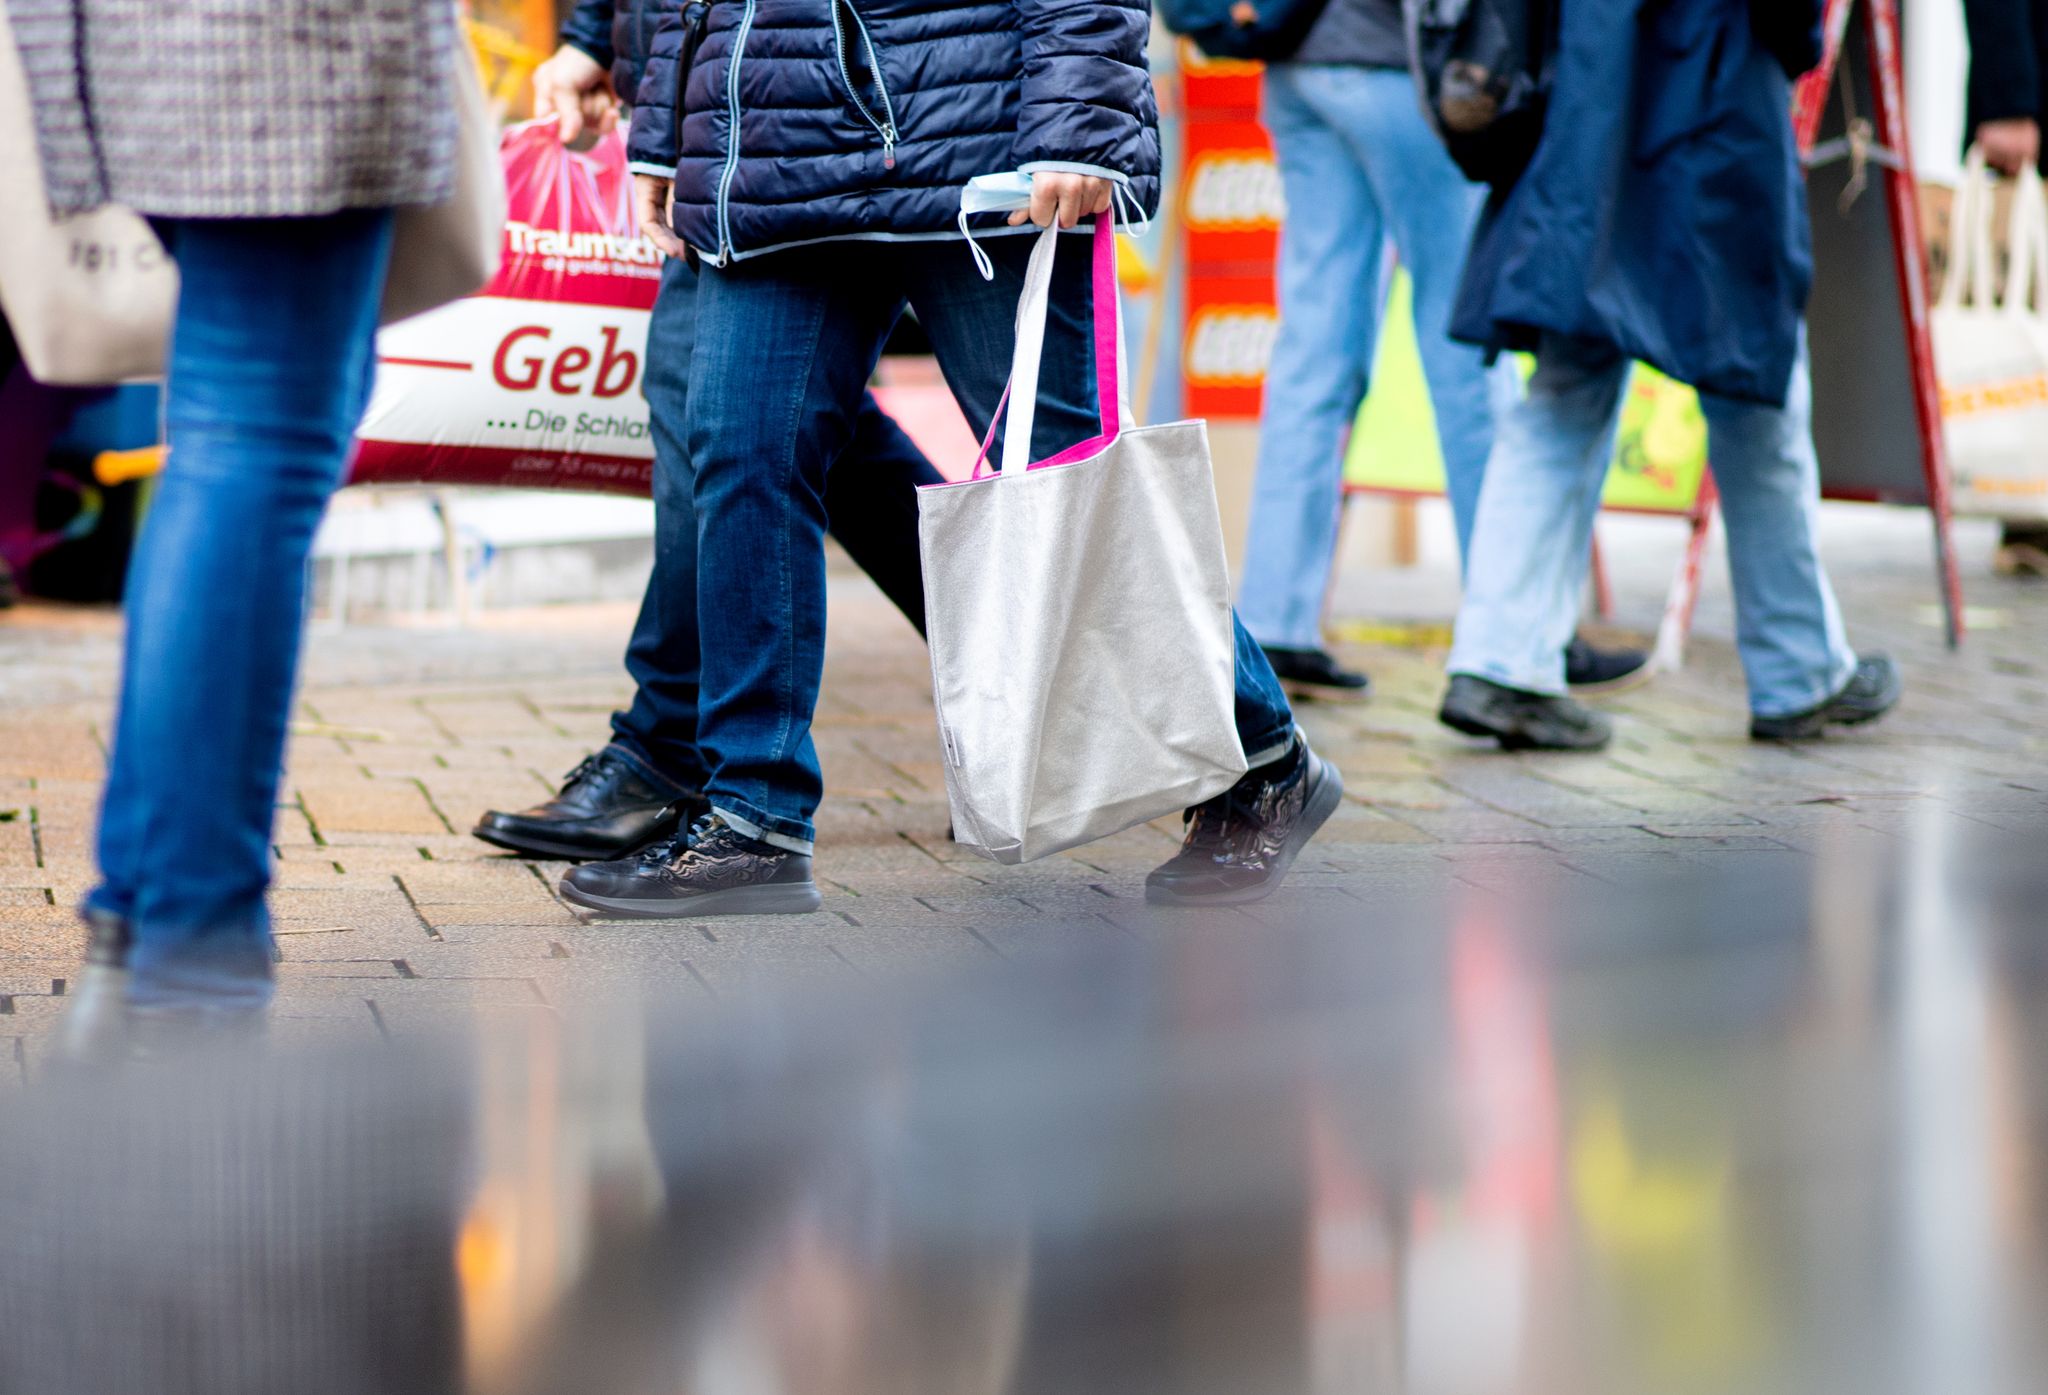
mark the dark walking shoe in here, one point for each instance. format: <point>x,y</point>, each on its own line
<point>607,808</point>
<point>101,1029</point>
<point>1521,721</point>
<point>1240,844</point>
<point>1317,672</point>
<point>1871,691</point>
<point>714,869</point>
<point>1590,670</point>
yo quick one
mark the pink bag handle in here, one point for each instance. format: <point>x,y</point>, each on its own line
<point>1024,369</point>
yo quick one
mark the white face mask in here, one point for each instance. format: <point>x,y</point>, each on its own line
<point>996,193</point>
<point>991,193</point>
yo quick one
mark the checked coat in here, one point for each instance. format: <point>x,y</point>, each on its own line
<point>241,108</point>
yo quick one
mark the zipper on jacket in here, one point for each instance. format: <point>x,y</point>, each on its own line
<point>885,124</point>
<point>732,136</point>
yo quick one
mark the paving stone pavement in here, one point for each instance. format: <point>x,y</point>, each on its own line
<point>389,916</point>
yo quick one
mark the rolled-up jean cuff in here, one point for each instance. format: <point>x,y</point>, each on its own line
<point>1544,685</point>
<point>758,829</point>
<point>631,752</point>
<point>223,970</point>
<point>1267,751</point>
<point>1827,690</point>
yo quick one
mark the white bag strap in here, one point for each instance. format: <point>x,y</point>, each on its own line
<point>2027,273</point>
<point>1020,398</point>
<point>1969,239</point>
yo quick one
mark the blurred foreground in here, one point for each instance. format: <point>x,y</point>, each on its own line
<point>1787,1132</point>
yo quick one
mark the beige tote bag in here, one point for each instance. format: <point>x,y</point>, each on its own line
<point>89,297</point>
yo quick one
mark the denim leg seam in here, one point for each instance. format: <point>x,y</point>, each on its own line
<point>641,762</point>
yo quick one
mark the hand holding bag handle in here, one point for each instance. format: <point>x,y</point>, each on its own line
<point>1020,397</point>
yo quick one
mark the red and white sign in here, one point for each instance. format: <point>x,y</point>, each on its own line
<point>537,380</point>
<point>1231,209</point>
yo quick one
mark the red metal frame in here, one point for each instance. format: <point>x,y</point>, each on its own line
<point>1888,98</point>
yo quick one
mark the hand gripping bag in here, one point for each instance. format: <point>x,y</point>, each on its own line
<point>536,380</point>
<point>1083,662</point>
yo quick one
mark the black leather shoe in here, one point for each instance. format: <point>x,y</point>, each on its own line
<point>1522,721</point>
<point>1590,670</point>
<point>1317,671</point>
<point>607,808</point>
<point>714,869</point>
<point>1240,844</point>
<point>1871,691</point>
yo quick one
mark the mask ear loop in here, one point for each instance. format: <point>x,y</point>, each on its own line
<point>1137,223</point>
<point>982,263</point>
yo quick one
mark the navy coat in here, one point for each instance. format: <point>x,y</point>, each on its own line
<point>617,33</point>
<point>808,120</point>
<point>1664,212</point>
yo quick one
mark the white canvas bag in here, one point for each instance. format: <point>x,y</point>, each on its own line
<point>1083,657</point>
<point>88,297</point>
<point>1991,351</point>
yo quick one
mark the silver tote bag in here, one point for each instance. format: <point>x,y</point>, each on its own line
<point>1083,660</point>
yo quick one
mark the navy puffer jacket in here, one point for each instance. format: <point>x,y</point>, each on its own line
<point>809,120</point>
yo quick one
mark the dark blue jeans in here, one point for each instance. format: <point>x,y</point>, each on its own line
<point>271,358</point>
<point>785,345</point>
<point>870,500</point>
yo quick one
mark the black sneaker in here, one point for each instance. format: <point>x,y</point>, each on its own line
<point>1316,671</point>
<point>1521,721</point>
<point>1590,670</point>
<point>1240,844</point>
<point>714,869</point>
<point>607,808</point>
<point>1871,691</point>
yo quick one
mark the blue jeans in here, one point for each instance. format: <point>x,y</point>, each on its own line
<point>1360,166</point>
<point>869,498</point>
<point>1532,543</point>
<point>785,345</point>
<point>271,358</point>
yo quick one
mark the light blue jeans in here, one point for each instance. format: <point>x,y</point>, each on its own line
<point>1360,166</point>
<point>1531,545</point>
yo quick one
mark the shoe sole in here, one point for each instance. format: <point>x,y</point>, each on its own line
<point>1316,692</point>
<point>788,898</point>
<point>558,852</point>
<point>1628,682</point>
<point>1323,800</point>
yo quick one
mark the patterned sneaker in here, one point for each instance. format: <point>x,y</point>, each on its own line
<point>1240,844</point>
<point>714,870</point>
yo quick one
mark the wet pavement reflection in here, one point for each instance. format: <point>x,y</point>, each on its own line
<point>1781,1129</point>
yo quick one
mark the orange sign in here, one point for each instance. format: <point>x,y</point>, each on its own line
<point>1231,323</point>
<point>1231,207</point>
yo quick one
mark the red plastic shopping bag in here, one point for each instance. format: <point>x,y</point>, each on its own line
<point>535,381</point>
